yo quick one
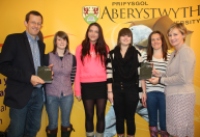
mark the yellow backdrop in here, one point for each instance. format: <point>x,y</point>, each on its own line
<point>68,16</point>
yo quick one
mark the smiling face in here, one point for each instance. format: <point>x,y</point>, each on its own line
<point>125,37</point>
<point>176,38</point>
<point>156,41</point>
<point>61,43</point>
<point>125,40</point>
<point>93,34</point>
<point>33,25</point>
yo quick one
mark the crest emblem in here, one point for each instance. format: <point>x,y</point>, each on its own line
<point>91,13</point>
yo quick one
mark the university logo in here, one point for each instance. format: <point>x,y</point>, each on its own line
<point>91,13</point>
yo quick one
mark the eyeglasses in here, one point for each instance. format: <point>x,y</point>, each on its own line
<point>35,23</point>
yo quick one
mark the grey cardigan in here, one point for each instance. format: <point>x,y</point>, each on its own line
<point>180,72</point>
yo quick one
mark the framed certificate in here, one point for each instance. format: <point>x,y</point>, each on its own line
<point>45,73</point>
<point>146,70</point>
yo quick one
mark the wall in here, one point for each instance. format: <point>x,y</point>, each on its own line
<point>113,15</point>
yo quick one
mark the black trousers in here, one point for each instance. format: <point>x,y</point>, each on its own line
<point>126,98</point>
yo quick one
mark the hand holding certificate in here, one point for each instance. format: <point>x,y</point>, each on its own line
<point>45,73</point>
<point>145,70</point>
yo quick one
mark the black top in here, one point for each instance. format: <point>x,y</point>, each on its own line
<point>125,69</point>
<point>61,57</point>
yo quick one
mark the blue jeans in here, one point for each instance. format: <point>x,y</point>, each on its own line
<point>26,121</point>
<point>52,105</point>
<point>156,106</point>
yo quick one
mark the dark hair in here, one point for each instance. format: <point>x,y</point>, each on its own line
<point>150,49</point>
<point>100,45</point>
<point>33,12</point>
<point>64,36</point>
<point>123,32</point>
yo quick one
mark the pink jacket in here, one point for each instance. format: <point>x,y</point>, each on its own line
<point>92,70</point>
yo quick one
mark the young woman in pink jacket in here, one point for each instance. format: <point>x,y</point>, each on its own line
<point>90,80</point>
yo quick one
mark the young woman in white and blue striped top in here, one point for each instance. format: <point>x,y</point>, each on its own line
<point>157,55</point>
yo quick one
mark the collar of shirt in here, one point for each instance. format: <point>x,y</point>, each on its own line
<point>31,38</point>
<point>66,53</point>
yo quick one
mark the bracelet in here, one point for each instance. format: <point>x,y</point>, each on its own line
<point>109,91</point>
<point>159,80</point>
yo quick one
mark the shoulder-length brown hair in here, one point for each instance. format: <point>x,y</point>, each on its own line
<point>100,45</point>
<point>150,49</point>
<point>123,32</point>
<point>62,35</point>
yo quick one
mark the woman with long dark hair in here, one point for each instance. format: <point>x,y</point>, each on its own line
<point>157,54</point>
<point>90,80</point>
<point>123,82</point>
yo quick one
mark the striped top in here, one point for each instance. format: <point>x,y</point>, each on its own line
<point>160,65</point>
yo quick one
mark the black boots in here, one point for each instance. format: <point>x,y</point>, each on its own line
<point>66,131</point>
<point>51,133</point>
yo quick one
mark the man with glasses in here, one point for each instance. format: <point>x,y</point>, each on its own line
<point>21,55</point>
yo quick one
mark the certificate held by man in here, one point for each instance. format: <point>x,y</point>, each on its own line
<point>145,70</point>
<point>45,73</point>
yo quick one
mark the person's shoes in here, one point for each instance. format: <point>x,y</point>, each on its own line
<point>51,133</point>
<point>99,134</point>
<point>66,131</point>
<point>89,134</point>
<point>153,131</point>
<point>164,133</point>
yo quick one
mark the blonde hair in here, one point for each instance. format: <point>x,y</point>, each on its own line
<point>180,27</point>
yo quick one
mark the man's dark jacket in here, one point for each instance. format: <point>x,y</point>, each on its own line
<point>16,63</point>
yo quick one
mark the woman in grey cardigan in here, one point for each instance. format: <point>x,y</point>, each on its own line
<point>179,90</point>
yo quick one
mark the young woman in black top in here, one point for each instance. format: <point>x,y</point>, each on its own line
<point>123,82</point>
